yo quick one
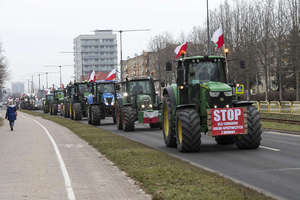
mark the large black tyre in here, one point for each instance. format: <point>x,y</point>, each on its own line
<point>89,110</point>
<point>253,138</point>
<point>51,109</point>
<point>118,115</point>
<point>77,111</point>
<point>188,133</point>
<point>95,115</point>
<point>54,109</point>
<point>128,118</point>
<point>225,140</point>
<point>71,111</point>
<point>168,123</point>
<point>65,109</point>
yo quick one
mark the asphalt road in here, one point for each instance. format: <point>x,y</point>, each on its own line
<point>42,160</point>
<point>274,167</point>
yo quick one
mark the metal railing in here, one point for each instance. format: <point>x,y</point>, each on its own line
<point>284,107</point>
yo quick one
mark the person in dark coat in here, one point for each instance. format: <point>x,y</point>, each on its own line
<point>11,114</point>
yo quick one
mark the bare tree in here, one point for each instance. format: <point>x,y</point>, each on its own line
<point>3,68</point>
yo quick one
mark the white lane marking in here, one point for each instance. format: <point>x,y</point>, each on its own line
<point>63,168</point>
<point>283,134</point>
<point>269,148</point>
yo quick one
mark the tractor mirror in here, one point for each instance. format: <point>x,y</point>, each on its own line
<point>168,66</point>
<point>162,84</point>
<point>242,64</point>
<point>117,87</point>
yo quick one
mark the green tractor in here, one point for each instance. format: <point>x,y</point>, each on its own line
<point>65,106</point>
<point>79,93</point>
<point>203,102</point>
<point>46,102</point>
<point>138,102</point>
<point>102,102</point>
<point>55,104</point>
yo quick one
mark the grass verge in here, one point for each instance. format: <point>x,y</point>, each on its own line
<point>162,176</point>
<point>293,128</point>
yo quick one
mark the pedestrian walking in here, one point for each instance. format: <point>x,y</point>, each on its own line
<point>11,114</point>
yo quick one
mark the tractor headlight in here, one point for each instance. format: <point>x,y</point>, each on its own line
<point>228,93</point>
<point>143,106</point>
<point>125,94</point>
<point>150,105</point>
<point>214,94</point>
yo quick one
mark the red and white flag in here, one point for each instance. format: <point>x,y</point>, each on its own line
<point>92,76</point>
<point>151,116</point>
<point>111,75</point>
<point>181,49</point>
<point>218,37</point>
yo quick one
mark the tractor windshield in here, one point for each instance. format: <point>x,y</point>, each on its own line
<point>49,97</point>
<point>206,71</point>
<point>140,87</point>
<point>109,88</point>
<point>83,88</point>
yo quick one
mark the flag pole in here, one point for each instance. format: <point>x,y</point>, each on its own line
<point>208,47</point>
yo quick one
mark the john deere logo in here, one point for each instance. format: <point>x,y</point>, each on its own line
<point>221,99</point>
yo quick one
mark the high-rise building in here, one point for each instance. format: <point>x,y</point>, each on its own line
<point>95,52</point>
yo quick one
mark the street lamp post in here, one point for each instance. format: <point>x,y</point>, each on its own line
<point>121,53</point>
<point>208,46</point>
<point>60,66</point>
<point>81,53</point>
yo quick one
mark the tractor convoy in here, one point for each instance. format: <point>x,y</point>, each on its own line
<point>202,101</point>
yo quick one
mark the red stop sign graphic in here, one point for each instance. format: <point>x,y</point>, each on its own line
<point>227,121</point>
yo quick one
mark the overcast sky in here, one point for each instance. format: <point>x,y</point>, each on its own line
<point>34,32</point>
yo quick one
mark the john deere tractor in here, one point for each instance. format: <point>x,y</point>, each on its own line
<point>102,102</point>
<point>202,102</point>
<point>138,102</point>
<point>46,102</point>
<point>79,93</point>
<point>58,97</point>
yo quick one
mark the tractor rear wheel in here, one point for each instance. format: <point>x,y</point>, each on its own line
<point>114,118</point>
<point>188,131</point>
<point>76,111</point>
<point>168,123</point>
<point>95,115</point>
<point>71,111</point>
<point>253,138</point>
<point>89,110</point>
<point>128,118</point>
<point>54,107</point>
<point>118,115</point>
<point>224,140</point>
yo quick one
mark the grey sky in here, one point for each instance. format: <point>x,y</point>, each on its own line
<point>34,32</point>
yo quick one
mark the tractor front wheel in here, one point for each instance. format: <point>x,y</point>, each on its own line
<point>253,138</point>
<point>118,116</point>
<point>128,118</point>
<point>76,111</point>
<point>95,115</point>
<point>168,123</point>
<point>188,130</point>
<point>54,109</point>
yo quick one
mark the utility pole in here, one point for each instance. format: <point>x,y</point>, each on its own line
<point>208,39</point>
<point>60,77</point>
<point>39,81</point>
<point>81,55</point>
<point>32,84</point>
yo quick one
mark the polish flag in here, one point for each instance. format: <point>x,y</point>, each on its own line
<point>218,37</point>
<point>111,75</point>
<point>151,116</point>
<point>181,49</point>
<point>92,77</point>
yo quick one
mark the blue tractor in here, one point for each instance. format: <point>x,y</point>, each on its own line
<point>101,102</point>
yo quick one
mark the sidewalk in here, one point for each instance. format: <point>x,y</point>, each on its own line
<point>30,168</point>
